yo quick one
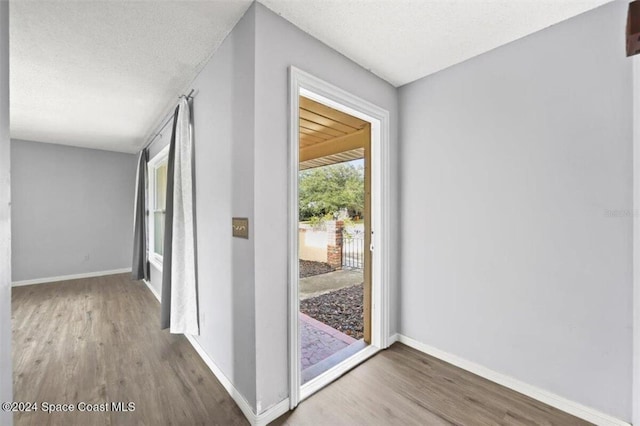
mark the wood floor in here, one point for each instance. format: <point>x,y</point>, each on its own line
<point>401,386</point>
<point>98,340</point>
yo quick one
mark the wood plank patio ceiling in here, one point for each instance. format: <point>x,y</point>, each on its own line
<point>326,135</point>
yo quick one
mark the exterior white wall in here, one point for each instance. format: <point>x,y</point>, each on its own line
<point>312,244</point>
<point>279,45</point>
<point>516,210</point>
<point>6,378</point>
<point>72,210</point>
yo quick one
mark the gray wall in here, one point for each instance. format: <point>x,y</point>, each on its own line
<point>241,114</point>
<point>510,163</point>
<point>72,210</point>
<point>636,243</point>
<point>6,379</point>
<point>223,138</point>
<point>279,44</point>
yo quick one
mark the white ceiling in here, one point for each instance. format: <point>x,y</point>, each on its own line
<point>102,74</point>
<point>404,40</point>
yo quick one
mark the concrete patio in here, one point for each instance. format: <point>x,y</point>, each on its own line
<point>331,281</point>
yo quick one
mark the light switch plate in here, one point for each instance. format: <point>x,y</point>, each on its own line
<point>240,227</point>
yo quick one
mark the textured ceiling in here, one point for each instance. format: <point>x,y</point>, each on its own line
<point>404,40</point>
<point>102,74</point>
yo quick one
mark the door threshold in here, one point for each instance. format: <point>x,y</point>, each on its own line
<point>342,355</point>
<point>314,385</point>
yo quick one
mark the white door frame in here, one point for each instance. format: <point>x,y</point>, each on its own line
<point>302,83</point>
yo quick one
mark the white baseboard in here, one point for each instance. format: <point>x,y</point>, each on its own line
<point>272,413</point>
<point>69,277</point>
<point>245,407</point>
<point>226,383</point>
<point>568,406</point>
<point>254,419</point>
<point>152,290</point>
<point>393,338</point>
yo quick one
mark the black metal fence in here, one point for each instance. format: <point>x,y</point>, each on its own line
<point>353,249</point>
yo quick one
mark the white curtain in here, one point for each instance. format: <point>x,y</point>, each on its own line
<point>184,296</point>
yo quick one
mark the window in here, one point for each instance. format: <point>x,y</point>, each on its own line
<point>157,204</point>
<point>159,207</point>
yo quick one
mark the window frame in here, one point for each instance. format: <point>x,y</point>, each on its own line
<point>153,165</point>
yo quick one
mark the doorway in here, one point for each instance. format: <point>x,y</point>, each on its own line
<point>338,256</point>
<point>334,205</point>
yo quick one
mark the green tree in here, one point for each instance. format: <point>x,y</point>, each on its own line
<point>329,189</point>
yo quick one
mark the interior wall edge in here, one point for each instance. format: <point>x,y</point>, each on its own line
<point>636,242</point>
<point>6,378</point>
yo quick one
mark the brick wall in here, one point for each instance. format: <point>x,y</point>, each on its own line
<point>334,243</point>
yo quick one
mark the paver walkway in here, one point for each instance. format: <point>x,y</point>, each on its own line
<point>319,341</point>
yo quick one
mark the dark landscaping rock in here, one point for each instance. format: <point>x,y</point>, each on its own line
<point>310,268</point>
<point>340,309</point>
